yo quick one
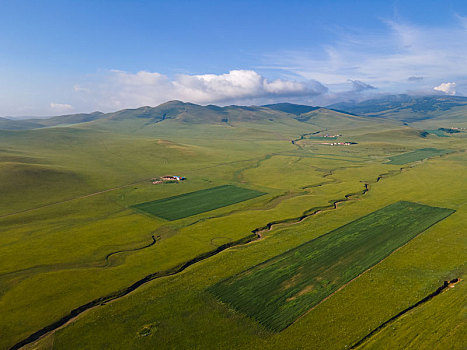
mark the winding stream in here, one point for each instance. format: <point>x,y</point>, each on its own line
<point>255,235</point>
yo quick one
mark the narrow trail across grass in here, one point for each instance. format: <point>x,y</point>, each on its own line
<point>255,235</point>
<point>72,199</point>
<point>61,267</point>
<point>116,188</point>
<point>84,196</point>
<point>272,203</point>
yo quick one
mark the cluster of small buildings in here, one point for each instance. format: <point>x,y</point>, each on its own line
<point>167,178</point>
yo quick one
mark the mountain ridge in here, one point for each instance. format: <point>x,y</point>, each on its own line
<point>399,108</point>
<point>182,111</point>
<point>403,107</point>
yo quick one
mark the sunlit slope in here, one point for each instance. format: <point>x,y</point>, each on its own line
<point>278,291</point>
<point>402,108</point>
<point>253,123</point>
<point>9,124</point>
<point>24,185</point>
<point>59,257</point>
<point>189,113</point>
<point>133,145</point>
<point>184,112</point>
<point>33,123</point>
<point>48,165</point>
<point>396,283</point>
<point>454,118</point>
<point>334,120</point>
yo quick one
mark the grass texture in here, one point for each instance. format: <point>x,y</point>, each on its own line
<point>416,155</point>
<point>193,203</point>
<point>437,132</point>
<point>278,291</point>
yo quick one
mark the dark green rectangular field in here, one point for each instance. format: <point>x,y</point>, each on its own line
<point>437,132</point>
<point>281,289</point>
<point>418,154</point>
<point>192,203</point>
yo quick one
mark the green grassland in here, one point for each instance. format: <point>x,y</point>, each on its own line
<point>69,234</point>
<point>416,155</point>
<point>437,132</point>
<point>193,203</point>
<point>397,282</point>
<point>278,291</point>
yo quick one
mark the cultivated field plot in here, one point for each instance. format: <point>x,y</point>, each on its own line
<point>188,204</point>
<point>278,291</point>
<point>437,132</point>
<point>418,154</point>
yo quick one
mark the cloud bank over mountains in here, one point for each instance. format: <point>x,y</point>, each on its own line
<point>447,88</point>
<point>116,89</point>
<point>402,58</point>
<point>61,107</point>
<point>120,89</point>
<point>405,58</point>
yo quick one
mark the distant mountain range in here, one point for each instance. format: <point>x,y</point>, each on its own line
<point>174,110</point>
<point>404,107</point>
<point>401,108</point>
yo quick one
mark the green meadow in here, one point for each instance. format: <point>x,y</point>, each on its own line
<point>72,231</point>
<point>437,132</point>
<point>188,204</point>
<point>278,291</point>
<point>417,155</point>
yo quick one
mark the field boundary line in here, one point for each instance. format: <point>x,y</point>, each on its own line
<point>126,185</point>
<point>64,267</point>
<point>73,199</point>
<point>446,286</point>
<point>367,270</point>
<point>255,235</point>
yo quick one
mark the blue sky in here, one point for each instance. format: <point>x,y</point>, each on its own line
<point>61,57</point>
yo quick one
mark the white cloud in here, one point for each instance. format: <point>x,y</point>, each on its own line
<point>447,88</point>
<point>401,58</point>
<point>78,88</point>
<point>394,60</point>
<point>60,107</point>
<point>120,89</point>
<point>358,85</point>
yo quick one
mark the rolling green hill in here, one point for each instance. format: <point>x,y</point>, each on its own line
<point>330,119</point>
<point>402,108</point>
<point>72,238</point>
<point>35,123</point>
<point>189,113</point>
<point>15,124</point>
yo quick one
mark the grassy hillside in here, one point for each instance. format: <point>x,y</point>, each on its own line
<point>281,289</point>
<point>193,203</point>
<point>34,123</point>
<point>187,113</point>
<point>333,120</point>
<point>69,234</point>
<point>406,108</point>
